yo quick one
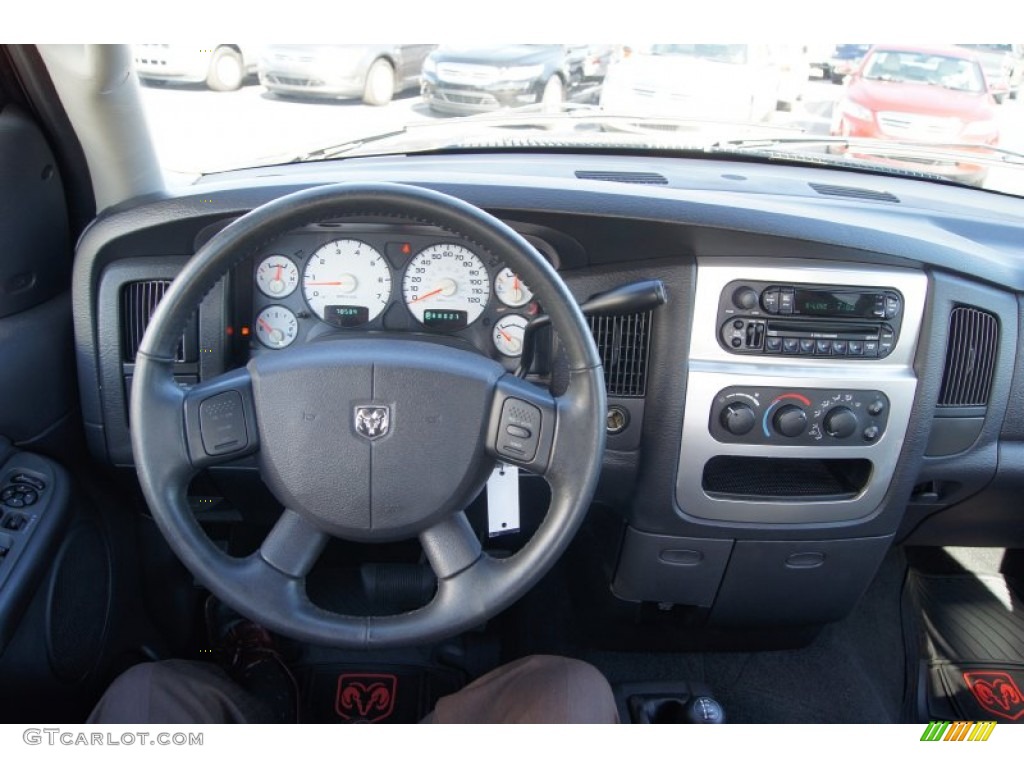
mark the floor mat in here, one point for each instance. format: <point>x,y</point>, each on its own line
<point>387,693</point>
<point>972,627</point>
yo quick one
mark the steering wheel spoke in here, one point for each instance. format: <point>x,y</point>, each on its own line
<point>293,545</point>
<point>451,546</point>
<point>220,419</point>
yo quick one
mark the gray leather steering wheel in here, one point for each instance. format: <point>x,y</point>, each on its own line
<point>447,410</point>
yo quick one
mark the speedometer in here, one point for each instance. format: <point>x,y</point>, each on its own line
<point>446,287</point>
<point>347,282</point>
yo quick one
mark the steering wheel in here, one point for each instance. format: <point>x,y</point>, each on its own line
<point>367,439</point>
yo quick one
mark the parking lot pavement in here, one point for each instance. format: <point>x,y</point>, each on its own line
<point>197,130</point>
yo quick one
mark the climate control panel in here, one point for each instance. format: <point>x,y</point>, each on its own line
<point>799,416</point>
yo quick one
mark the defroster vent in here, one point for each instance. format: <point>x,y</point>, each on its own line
<point>970,358</point>
<point>624,345</point>
<point>138,303</point>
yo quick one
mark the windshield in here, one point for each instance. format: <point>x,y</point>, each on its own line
<point>942,115</point>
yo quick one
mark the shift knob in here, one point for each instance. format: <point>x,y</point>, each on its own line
<point>704,710</point>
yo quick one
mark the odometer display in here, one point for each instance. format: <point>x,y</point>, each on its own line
<point>450,282</point>
<point>445,319</point>
<point>347,282</point>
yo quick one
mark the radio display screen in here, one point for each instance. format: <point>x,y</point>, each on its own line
<point>835,303</point>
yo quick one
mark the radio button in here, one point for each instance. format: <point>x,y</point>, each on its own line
<point>786,302</point>
<point>745,297</point>
<point>773,344</point>
<point>892,306</point>
<point>823,347</point>
<point>839,347</point>
<point>870,349</point>
<point>806,346</point>
<point>791,346</point>
<point>770,300</point>
<point>855,348</point>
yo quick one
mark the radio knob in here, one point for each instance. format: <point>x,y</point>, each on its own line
<point>840,422</point>
<point>737,418</point>
<point>790,421</point>
<point>745,297</point>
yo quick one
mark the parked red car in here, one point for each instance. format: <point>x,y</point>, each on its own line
<point>931,96</point>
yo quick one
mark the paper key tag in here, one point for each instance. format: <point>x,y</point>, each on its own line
<point>503,500</point>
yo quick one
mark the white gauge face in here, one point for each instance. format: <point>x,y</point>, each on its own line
<point>508,335</point>
<point>510,290</point>
<point>347,282</point>
<point>446,287</point>
<point>277,276</point>
<point>276,327</point>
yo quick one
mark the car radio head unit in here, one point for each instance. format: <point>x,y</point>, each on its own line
<point>756,318</point>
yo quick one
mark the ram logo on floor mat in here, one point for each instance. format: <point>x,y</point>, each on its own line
<point>997,693</point>
<point>943,730</point>
<point>366,698</point>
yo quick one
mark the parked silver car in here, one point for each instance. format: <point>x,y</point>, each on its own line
<point>374,73</point>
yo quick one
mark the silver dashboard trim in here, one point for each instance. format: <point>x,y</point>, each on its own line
<point>712,369</point>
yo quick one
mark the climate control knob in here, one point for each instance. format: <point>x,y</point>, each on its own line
<point>737,418</point>
<point>790,421</point>
<point>840,422</point>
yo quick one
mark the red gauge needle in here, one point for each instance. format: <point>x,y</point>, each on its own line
<point>427,295</point>
<point>505,335</point>
<point>280,269</point>
<point>265,325</point>
<point>515,283</point>
<point>327,282</point>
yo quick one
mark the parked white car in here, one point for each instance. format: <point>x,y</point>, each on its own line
<point>717,82</point>
<point>223,67</point>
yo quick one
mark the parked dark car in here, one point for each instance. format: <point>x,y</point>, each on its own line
<point>466,80</point>
<point>374,73</point>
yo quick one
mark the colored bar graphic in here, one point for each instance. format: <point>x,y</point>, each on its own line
<point>961,730</point>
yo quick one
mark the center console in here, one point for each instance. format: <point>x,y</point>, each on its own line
<point>799,390</point>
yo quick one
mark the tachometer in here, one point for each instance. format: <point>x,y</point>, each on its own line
<point>446,286</point>
<point>347,282</point>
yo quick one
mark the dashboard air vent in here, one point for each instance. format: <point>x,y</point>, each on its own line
<point>624,343</point>
<point>623,177</point>
<point>970,358</point>
<point>856,192</point>
<point>138,303</point>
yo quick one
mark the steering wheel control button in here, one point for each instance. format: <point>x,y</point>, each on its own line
<point>15,522</point>
<point>520,429</point>
<point>22,479</point>
<point>222,424</point>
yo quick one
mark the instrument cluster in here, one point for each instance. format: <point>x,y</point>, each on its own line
<point>367,277</point>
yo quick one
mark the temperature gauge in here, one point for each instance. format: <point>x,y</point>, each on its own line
<point>511,290</point>
<point>508,335</point>
<point>276,327</point>
<point>277,276</point>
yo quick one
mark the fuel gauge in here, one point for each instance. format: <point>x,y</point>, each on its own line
<point>276,327</point>
<point>508,335</point>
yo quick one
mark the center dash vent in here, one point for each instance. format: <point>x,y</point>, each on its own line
<point>138,303</point>
<point>970,358</point>
<point>859,193</point>
<point>624,177</point>
<point>624,344</point>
